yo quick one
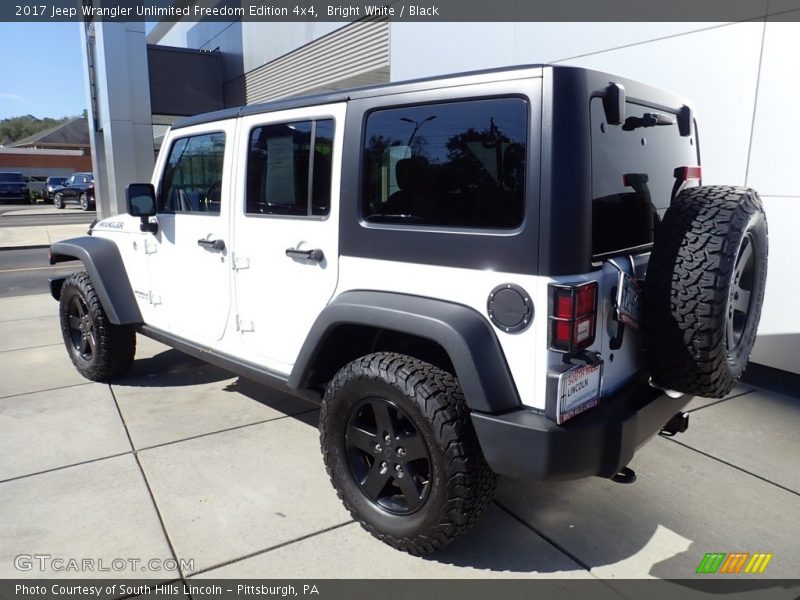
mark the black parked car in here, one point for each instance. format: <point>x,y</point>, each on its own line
<point>79,188</point>
<point>13,186</point>
<point>50,187</point>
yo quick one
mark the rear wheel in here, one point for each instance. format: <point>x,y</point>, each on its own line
<point>401,452</point>
<point>84,202</point>
<point>99,349</point>
<point>704,289</point>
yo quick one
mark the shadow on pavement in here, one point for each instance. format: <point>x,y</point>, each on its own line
<point>145,371</point>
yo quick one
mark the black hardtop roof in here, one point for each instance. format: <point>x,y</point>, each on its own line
<point>596,80</point>
<point>485,75</point>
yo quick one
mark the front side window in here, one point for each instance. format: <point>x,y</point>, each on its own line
<point>457,164</point>
<point>192,180</point>
<point>289,169</point>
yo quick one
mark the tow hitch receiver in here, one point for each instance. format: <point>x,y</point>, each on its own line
<point>677,424</point>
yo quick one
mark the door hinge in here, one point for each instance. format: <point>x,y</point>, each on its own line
<point>155,299</point>
<point>150,247</point>
<point>244,325</point>
<point>240,262</point>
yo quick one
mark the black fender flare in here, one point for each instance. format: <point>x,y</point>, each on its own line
<point>101,259</point>
<point>465,334</point>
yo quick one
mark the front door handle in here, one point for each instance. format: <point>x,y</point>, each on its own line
<point>213,245</point>
<point>313,255</point>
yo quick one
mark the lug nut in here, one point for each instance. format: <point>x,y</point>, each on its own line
<point>388,439</point>
<point>377,447</point>
<point>401,452</point>
<point>384,465</point>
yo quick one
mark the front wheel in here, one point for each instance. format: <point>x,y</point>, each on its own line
<point>99,349</point>
<point>401,452</point>
<point>58,201</point>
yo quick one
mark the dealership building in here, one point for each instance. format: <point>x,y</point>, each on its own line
<point>742,77</point>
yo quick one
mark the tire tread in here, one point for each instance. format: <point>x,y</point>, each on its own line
<point>470,481</point>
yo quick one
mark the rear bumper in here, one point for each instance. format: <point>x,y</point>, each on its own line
<point>526,444</point>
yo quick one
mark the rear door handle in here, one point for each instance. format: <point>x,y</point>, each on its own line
<point>213,245</point>
<point>313,255</point>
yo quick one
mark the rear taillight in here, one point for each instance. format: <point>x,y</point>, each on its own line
<point>573,316</point>
<point>687,173</point>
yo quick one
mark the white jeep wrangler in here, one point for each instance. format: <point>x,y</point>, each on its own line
<point>454,267</point>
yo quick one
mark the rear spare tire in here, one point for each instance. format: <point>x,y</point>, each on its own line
<point>704,289</point>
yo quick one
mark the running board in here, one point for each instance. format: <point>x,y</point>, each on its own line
<point>257,373</point>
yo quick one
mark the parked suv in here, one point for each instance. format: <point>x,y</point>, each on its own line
<point>50,187</point>
<point>14,186</point>
<point>510,272</point>
<point>77,189</point>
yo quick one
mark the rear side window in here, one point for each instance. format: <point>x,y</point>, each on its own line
<point>457,164</point>
<point>289,169</point>
<point>632,175</point>
<point>12,178</point>
<point>192,180</point>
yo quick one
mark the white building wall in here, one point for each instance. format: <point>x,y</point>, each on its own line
<point>744,79</point>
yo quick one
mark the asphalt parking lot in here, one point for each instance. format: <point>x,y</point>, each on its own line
<point>183,460</point>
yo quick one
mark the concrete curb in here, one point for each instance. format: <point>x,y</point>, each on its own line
<point>29,247</point>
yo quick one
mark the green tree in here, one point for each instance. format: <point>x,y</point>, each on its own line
<point>14,129</point>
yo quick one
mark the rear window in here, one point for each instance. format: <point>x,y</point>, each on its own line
<point>12,178</point>
<point>633,175</point>
<point>456,164</point>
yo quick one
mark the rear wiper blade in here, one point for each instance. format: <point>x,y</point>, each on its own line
<point>648,120</point>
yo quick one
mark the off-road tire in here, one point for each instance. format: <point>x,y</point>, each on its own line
<point>692,285</point>
<point>58,201</point>
<point>114,345</point>
<point>461,483</point>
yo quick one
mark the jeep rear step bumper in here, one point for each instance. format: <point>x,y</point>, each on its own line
<point>526,444</point>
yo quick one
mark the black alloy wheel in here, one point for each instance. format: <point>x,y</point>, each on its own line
<point>401,451</point>
<point>388,457</point>
<point>81,328</point>
<point>739,300</point>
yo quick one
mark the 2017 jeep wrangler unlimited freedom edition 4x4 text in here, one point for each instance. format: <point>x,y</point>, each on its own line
<point>454,266</point>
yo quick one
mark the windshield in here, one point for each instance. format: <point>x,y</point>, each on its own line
<point>12,177</point>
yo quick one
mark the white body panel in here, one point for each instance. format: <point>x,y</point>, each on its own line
<point>278,298</point>
<point>526,352</point>
<point>192,285</point>
<point>132,244</point>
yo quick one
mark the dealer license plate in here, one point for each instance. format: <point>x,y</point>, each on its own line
<point>628,301</point>
<point>578,391</point>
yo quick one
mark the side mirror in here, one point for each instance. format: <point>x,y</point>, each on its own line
<point>141,200</point>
